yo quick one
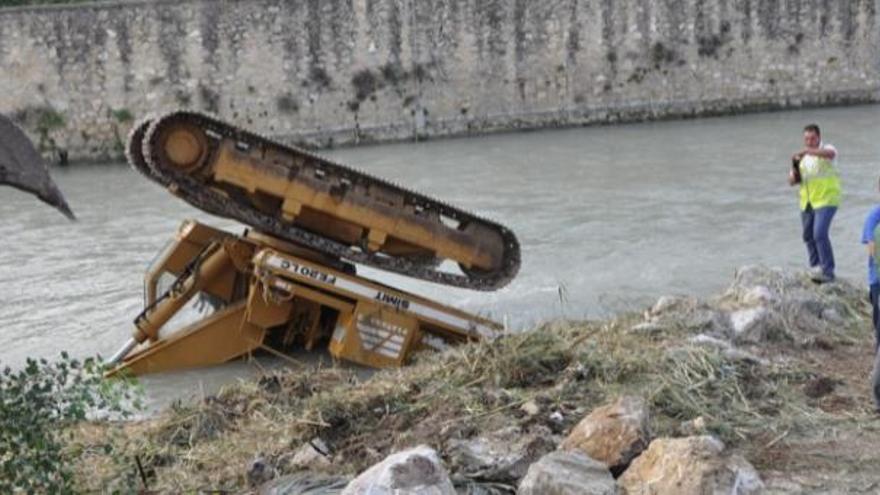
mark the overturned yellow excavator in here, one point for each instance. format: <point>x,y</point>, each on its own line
<point>289,281</point>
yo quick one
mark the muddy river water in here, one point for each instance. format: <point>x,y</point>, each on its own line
<point>609,218</point>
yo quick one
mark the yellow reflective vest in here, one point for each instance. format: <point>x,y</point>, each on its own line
<point>820,183</point>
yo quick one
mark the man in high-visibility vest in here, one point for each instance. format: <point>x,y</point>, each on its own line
<point>816,172</point>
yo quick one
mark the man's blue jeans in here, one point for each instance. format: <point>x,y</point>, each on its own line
<point>874,296</point>
<point>816,224</point>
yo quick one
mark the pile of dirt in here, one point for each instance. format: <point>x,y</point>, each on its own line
<point>800,376</point>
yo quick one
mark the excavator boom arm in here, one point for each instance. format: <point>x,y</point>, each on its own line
<point>22,167</point>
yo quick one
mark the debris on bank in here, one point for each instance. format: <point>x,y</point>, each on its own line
<point>729,393</point>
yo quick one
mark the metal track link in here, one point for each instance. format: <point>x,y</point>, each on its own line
<point>149,162</point>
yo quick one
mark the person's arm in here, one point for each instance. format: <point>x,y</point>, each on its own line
<point>792,178</point>
<point>871,222</point>
<point>827,152</point>
<point>794,173</point>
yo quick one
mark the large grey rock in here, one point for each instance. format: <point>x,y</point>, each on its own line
<point>771,305</point>
<point>613,434</point>
<point>690,466</point>
<point>751,325</point>
<point>417,471</point>
<point>567,473</point>
<point>502,456</point>
<point>802,309</point>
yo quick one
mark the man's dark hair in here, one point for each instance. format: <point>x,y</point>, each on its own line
<point>813,128</point>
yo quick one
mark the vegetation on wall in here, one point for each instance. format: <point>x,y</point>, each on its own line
<point>120,117</point>
<point>17,3</point>
<point>45,121</point>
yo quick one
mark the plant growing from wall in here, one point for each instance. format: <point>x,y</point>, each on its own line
<point>44,120</point>
<point>48,119</point>
<point>16,3</point>
<point>121,116</point>
<point>37,403</point>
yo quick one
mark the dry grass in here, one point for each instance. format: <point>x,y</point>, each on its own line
<point>567,368</point>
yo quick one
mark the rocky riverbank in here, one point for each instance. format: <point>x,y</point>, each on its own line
<point>760,389</point>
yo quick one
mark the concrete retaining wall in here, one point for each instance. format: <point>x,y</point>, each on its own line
<point>347,71</point>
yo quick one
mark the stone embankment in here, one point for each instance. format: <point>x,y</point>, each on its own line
<point>760,389</point>
<point>331,72</point>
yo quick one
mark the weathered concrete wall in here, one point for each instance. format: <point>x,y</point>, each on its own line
<point>342,71</point>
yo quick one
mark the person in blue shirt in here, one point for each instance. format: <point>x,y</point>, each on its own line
<point>871,237</point>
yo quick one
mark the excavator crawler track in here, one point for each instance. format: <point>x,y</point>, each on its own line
<point>189,152</point>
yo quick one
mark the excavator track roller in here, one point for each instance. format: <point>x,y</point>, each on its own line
<point>183,146</point>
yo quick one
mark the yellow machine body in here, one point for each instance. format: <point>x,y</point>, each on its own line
<point>272,295</point>
<point>312,202</point>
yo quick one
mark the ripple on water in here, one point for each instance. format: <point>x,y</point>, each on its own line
<point>612,216</point>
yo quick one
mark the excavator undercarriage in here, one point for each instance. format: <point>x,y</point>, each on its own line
<point>290,280</point>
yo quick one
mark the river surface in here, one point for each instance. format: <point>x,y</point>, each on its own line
<point>609,219</point>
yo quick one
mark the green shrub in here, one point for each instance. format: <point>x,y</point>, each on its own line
<point>37,403</point>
